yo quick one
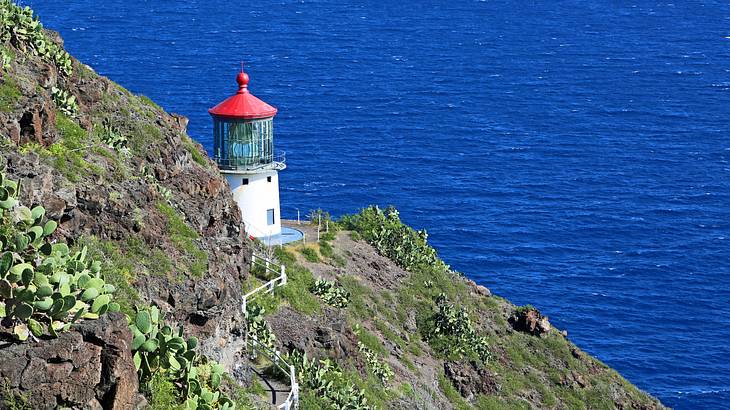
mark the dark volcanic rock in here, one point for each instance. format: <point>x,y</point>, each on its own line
<point>88,367</point>
<point>116,196</point>
<point>530,320</point>
<point>470,380</point>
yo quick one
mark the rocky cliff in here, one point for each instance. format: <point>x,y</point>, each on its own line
<point>370,315</point>
<point>122,177</point>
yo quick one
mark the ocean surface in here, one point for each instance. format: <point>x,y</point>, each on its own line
<point>569,154</point>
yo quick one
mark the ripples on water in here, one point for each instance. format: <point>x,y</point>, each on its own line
<point>569,155</point>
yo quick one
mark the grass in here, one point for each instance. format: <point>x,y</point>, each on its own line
<point>529,369</point>
<point>118,169</point>
<point>310,254</point>
<point>242,395</point>
<point>148,101</point>
<point>389,334</point>
<point>68,153</point>
<point>9,95</point>
<point>309,400</point>
<point>163,394</point>
<point>371,341</point>
<point>12,400</point>
<point>326,249</point>
<point>299,281</point>
<point>143,137</point>
<point>118,269</point>
<point>452,394</point>
<point>194,153</point>
<point>359,294</point>
<point>269,301</point>
<point>154,261</point>
<point>374,391</point>
<point>194,260</point>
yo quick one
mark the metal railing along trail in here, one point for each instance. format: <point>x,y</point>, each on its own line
<point>253,345</point>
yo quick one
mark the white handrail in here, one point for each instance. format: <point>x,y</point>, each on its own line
<point>292,400</point>
<point>268,286</point>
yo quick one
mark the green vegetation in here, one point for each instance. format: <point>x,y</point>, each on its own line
<point>326,249</point>
<point>6,57</point>
<point>193,150</point>
<point>299,281</point>
<point>451,333</point>
<point>11,400</point>
<point>393,239</point>
<point>110,135</point>
<point>163,357</point>
<point>44,287</point>
<point>9,94</point>
<point>330,293</point>
<point>257,326</point>
<point>369,340</point>
<point>451,394</point>
<point>310,254</point>
<point>119,270</point>
<point>194,260</point>
<point>377,367</point>
<point>68,153</point>
<point>19,26</point>
<point>163,393</point>
<point>147,101</point>
<point>324,379</point>
<point>65,101</point>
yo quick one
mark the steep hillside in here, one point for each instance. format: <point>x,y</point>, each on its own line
<point>411,333</point>
<point>370,316</point>
<point>122,177</point>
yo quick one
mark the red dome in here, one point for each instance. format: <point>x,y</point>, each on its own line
<point>243,105</point>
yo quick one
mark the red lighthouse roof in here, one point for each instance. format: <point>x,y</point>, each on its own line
<point>243,105</point>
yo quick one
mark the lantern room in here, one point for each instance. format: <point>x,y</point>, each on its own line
<point>243,147</point>
<point>243,132</point>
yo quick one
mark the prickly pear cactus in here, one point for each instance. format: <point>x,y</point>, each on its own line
<point>23,29</point>
<point>158,348</point>
<point>44,287</point>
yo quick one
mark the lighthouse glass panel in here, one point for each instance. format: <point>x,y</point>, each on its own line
<point>243,144</point>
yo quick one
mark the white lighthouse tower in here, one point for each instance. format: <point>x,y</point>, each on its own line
<point>243,147</point>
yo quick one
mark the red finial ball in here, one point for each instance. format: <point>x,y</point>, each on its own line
<point>242,80</point>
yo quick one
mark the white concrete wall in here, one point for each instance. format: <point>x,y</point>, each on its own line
<point>255,199</point>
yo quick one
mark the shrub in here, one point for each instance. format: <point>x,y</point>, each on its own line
<point>257,326</point>
<point>310,254</point>
<point>160,352</point>
<point>111,136</point>
<point>451,332</point>
<point>330,293</point>
<point>19,26</point>
<point>327,381</point>
<point>65,101</point>
<point>326,249</point>
<point>378,368</point>
<point>402,244</point>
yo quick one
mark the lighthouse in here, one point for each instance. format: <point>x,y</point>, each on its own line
<point>243,147</point>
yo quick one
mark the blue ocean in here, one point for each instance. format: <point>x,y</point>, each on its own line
<point>569,154</point>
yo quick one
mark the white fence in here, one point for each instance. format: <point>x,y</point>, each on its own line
<point>254,346</point>
<point>292,400</point>
<point>268,287</point>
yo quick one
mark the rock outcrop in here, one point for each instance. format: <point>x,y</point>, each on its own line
<point>154,207</point>
<point>530,320</point>
<point>90,367</point>
<point>151,206</point>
